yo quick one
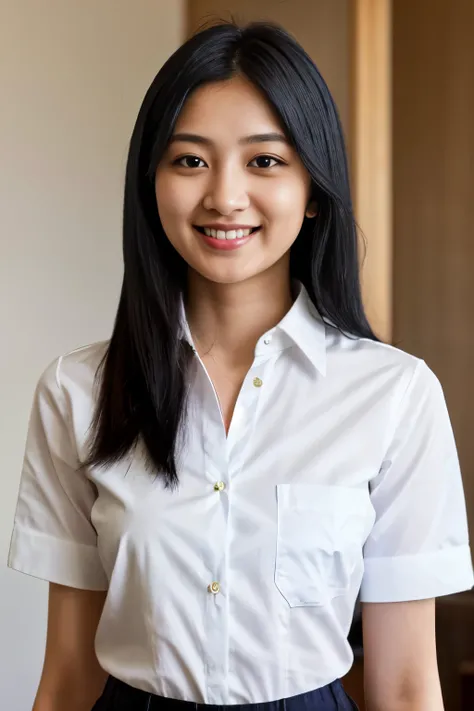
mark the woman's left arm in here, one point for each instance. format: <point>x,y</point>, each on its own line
<point>400,665</point>
<point>417,550</point>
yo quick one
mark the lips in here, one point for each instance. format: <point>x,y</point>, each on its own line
<point>231,232</point>
<point>226,241</point>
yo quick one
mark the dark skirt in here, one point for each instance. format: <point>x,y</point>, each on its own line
<point>118,696</point>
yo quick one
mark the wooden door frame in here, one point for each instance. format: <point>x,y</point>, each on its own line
<point>370,143</point>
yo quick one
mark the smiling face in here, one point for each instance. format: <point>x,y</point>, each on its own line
<point>231,191</point>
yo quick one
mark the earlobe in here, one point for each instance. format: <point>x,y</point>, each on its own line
<point>311,210</point>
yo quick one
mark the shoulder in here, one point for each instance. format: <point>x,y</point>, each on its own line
<point>66,392</point>
<point>378,365</point>
<point>74,369</point>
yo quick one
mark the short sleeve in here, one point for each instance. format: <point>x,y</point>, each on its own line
<point>419,546</point>
<point>53,537</point>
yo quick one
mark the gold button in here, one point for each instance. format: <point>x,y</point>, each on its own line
<point>219,486</point>
<point>257,382</point>
<point>214,588</point>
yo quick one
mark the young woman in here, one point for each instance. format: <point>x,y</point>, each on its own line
<point>208,491</point>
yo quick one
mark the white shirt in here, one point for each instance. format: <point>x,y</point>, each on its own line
<point>339,471</point>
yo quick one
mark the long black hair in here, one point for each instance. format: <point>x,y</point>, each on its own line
<point>143,375</point>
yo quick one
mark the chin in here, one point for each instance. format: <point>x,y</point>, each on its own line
<point>221,279</point>
<point>226,277</point>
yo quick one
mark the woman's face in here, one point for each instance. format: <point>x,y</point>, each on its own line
<point>231,191</point>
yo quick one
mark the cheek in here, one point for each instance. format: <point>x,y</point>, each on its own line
<point>286,200</point>
<point>174,200</point>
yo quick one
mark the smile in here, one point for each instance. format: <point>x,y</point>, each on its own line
<point>226,234</point>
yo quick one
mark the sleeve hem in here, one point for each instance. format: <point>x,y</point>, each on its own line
<point>417,577</point>
<point>58,561</point>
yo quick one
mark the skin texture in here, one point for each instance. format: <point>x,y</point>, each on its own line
<point>230,186</point>
<point>400,665</point>
<point>72,678</point>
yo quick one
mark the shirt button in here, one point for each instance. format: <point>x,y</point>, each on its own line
<point>267,341</point>
<point>257,382</point>
<point>219,486</point>
<point>214,588</point>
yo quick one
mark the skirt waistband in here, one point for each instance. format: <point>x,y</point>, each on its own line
<point>119,696</point>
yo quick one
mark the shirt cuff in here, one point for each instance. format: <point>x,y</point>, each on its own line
<point>417,577</point>
<point>58,561</point>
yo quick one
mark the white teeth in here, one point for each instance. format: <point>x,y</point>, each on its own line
<point>231,234</point>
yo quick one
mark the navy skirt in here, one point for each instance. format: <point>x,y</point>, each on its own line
<point>118,696</point>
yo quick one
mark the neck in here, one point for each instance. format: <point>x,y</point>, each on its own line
<point>230,318</point>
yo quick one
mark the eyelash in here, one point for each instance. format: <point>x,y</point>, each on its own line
<point>178,161</point>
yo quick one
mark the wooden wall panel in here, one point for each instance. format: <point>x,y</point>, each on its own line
<point>433,158</point>
<point>371,153</point>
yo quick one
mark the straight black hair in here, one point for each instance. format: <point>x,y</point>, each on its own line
<point>143,375</point>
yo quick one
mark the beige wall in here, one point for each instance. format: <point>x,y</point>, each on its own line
<point>322,27</point>
<point>72,75</point>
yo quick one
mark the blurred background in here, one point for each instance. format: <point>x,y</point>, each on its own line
<point>72,78</point>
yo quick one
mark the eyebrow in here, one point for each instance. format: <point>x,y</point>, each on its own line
<point>255,138</point>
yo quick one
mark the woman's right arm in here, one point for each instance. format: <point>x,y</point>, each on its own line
<point>72,678</point>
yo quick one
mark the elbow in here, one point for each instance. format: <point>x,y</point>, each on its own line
<point>407,698</point>
<point>69,695</point>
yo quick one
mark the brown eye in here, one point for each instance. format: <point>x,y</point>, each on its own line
<point>265,162</point>
<point>190,162</point>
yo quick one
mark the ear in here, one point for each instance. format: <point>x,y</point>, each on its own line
<point>311,210</point>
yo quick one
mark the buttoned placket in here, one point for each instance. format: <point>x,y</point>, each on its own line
<point>224,457</point>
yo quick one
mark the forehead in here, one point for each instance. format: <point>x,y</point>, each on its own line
<point>234,107</point>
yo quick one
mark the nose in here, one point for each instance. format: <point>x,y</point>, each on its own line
<point>226,192</point>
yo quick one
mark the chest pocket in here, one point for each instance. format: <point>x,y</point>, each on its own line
<point>320,538</point>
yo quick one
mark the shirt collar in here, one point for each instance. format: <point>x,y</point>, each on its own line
<point>302,326</point>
